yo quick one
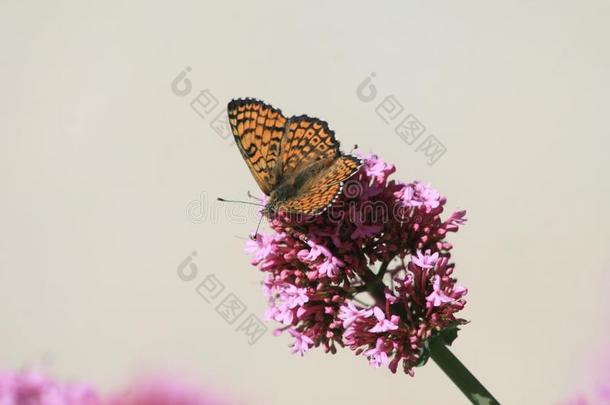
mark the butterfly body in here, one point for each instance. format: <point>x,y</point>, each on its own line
<point>292,184</point>
<point>296,161</point>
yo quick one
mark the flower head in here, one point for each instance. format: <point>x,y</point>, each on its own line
<point>383,324</point>
<point>378,356</point>
<point>302,342</point>
<point>425,261</point>
<point>165,390</point>
<point>32,387</point>
<point>381,238</point>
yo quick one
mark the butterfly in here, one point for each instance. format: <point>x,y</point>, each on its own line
<point>296,161</point>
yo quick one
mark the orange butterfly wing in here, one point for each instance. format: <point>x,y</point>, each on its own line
<point>307,140</point>
<point>322,190</point>
<point>276,148</point>
<point>259,129</point>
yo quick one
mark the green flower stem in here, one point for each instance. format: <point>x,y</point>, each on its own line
<point>455,370</point>
<point>440,353</point>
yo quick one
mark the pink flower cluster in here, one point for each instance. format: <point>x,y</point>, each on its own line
<point>166,391</point>
<point>596,387</point>
<point>372,273</point>
<point>34,388</point>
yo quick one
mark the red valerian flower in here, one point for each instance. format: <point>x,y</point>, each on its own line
<point>372,273</point>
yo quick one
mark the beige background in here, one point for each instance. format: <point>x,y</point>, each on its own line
<point>99,160</point>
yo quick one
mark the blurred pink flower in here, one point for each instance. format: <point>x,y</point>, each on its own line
<point>382,238</point>
<point>597,389</point>
<point>165,391</point>
<point>34,388</point>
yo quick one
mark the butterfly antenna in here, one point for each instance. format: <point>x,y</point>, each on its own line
<point>241,202</point>
<point>353,149</point>
<point>253,237</point>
